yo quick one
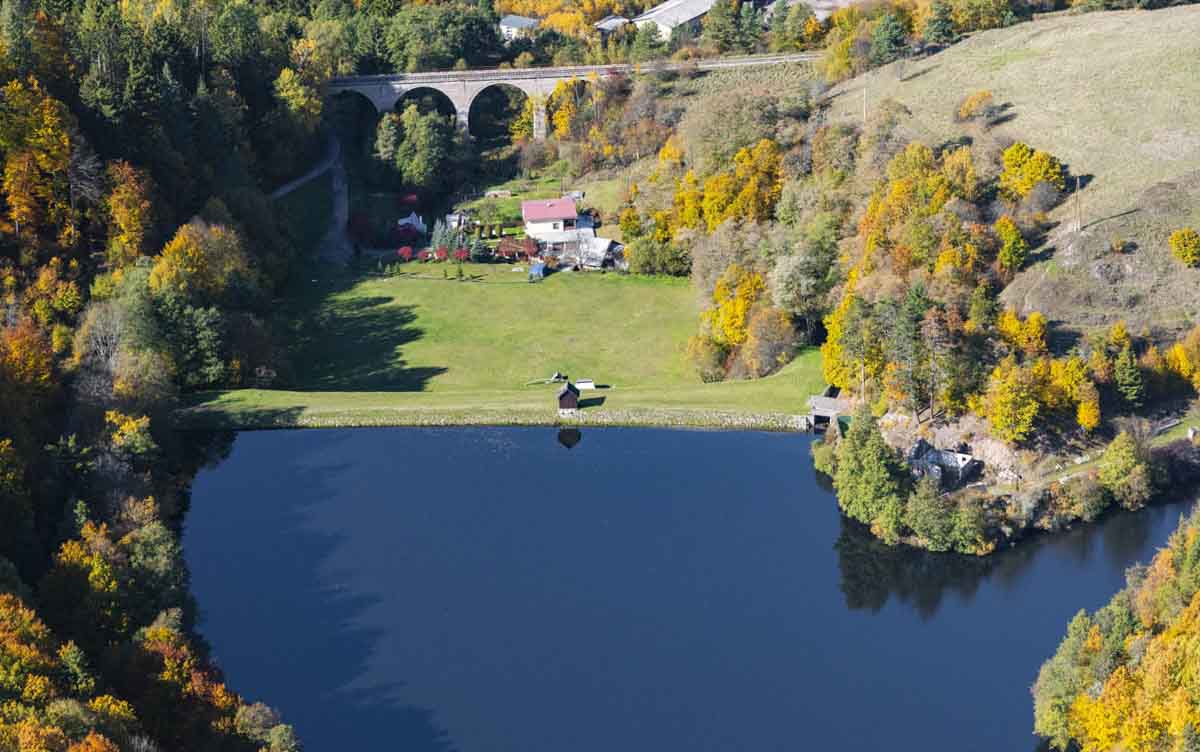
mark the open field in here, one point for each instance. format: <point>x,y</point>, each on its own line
<point>420,349</point>
<point>1116,96</point>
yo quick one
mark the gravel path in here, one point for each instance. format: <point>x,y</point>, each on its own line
<point>333,153</point>
<point>336,246</point>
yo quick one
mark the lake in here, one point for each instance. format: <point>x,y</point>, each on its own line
<point>493,590</point>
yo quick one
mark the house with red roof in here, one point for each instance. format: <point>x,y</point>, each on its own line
<point>548,215</point>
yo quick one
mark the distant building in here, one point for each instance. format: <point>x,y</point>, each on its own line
<point>548,215</point>
<point>673,13</point>
<point>568,400</point>
<point>950,469</point>
<point>512,27</point>
<point>412,221</point>
<point>823,9</point>
<point>610,24</point>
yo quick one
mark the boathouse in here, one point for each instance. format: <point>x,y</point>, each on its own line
<point>568,400</point>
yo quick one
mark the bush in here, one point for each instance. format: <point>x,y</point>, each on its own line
<point>824,453</point>
<point>977,105</point>
<point>708,358</point>
<point>931,516</point>
<point>1125,472</point>
<point>1185,246</point>
<point>770,341</point>
<point>833,149</point>
<point>1024,168</point>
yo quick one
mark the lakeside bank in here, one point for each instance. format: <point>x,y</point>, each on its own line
<point>260,409</point>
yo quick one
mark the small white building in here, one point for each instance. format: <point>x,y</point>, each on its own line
<point>413,221</point>
<point>512,27</point>
<point>543,216</point>
<point>673,13</point>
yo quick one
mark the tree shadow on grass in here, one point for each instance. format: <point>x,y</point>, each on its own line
<point>353,344</point>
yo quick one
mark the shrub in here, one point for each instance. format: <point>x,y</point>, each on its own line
<point>833,149</point>
<point>978,104</point>
<point>1024,168</point>
<point>931,516</point>
<point>824,453</point>
<point>1125,472</point>
<point>405,253</point>
<point>708,358</point>
<point>770,341</point>
<point>1013,248</point>
<point>1185,246</point>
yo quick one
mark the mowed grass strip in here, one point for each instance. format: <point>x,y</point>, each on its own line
<point>419,350</point>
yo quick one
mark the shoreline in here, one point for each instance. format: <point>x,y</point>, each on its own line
<point>200,417</point>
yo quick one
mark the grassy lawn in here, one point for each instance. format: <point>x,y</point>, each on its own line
<point>420,349</point>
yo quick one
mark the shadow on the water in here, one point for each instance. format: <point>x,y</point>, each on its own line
<point>298,658</point>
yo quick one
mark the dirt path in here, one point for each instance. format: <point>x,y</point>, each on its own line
<point>336,246</point>
<point>333,153</point>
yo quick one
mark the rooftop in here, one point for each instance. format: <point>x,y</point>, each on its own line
<point>674,12</point>
<point>548,210</point>
<point>611,23</point>
<point>519,22</point>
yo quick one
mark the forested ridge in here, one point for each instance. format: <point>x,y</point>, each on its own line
<point>138,258</point>
<point>1125,676</point>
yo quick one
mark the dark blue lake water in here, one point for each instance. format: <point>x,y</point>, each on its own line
<point>490,590</point>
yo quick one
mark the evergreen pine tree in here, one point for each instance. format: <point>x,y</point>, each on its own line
<point>887,39</point>
<point>869,478</point>
<point>721,25</point>
<point>931,516</point>
<point>781,39</point>
<point>1128,377</point>
<point>749,28</point>
<point>939,29</point>
<point>647,43</point>
<point>909,350</point>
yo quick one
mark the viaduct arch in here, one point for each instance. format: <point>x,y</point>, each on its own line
<point>462,87</point>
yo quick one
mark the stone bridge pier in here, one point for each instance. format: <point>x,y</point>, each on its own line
<point>385,93</point>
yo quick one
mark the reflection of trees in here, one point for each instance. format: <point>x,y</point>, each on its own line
<point>873,572</point>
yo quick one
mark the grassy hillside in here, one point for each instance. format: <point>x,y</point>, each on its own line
<point>1116,96</point>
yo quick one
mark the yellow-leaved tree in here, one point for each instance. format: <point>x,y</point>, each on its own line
<point>1011,402</point>
<point>736,292</point>
<point>129,209</point>
<point>200,261</point>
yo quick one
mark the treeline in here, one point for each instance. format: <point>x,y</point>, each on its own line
<point>1124,677</point>
<point>138,258</point>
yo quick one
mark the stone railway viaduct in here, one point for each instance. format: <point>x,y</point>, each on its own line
<point>462,87</point>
